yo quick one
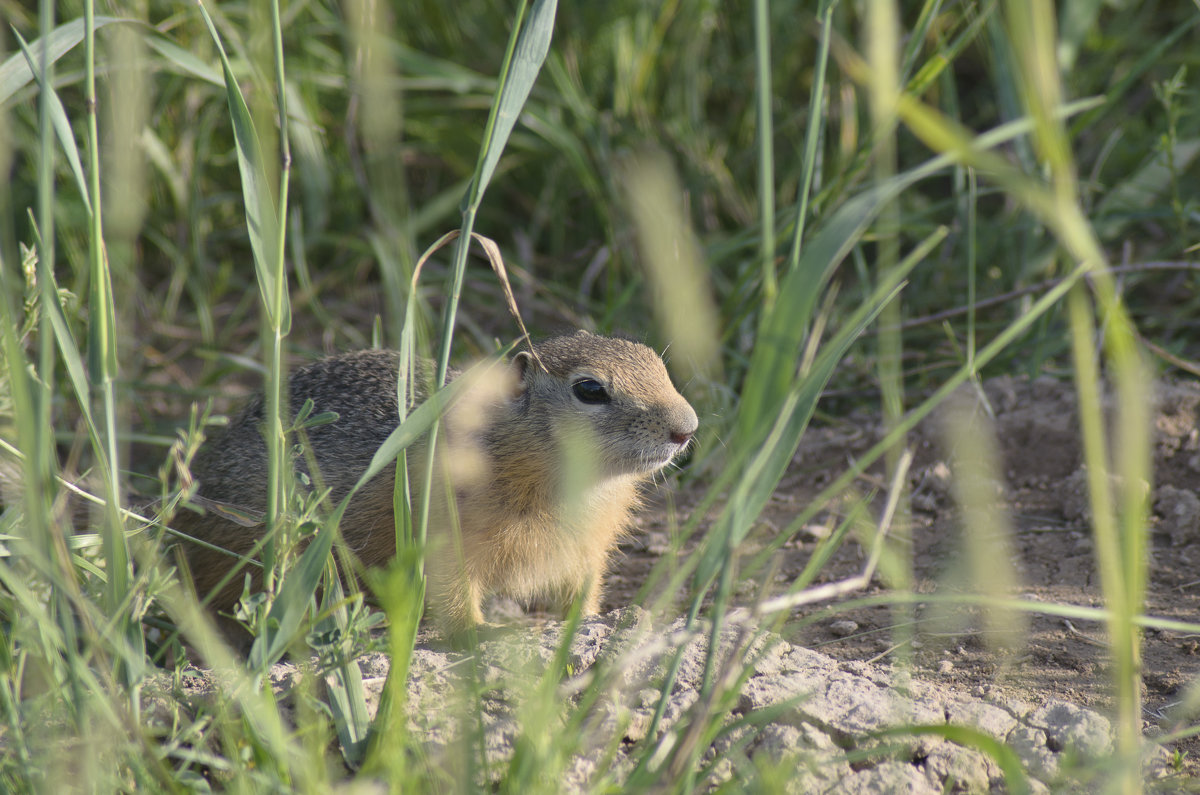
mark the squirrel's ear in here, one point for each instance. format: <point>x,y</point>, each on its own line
<point>519,367</point>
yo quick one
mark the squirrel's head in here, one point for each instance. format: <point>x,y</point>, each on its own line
<point>609,402</point>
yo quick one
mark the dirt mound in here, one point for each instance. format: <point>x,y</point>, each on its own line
<point>837,726</point>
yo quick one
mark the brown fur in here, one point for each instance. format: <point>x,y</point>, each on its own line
<point>543,482</point>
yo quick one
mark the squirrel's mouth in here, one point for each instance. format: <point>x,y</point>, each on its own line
<point>654,460</point>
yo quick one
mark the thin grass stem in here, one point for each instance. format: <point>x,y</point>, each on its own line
<point>103,369</point>
<point>813,133</point>
<point>766,152</point>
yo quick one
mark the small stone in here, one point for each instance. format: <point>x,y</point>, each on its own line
<point>816,531</point>
<point>843,627</point>
<point>968,769</point>
<point>987,718</point>
<point>1031,746</point>
<point>1180,512</point>
<point>1076,505</point>
<point>639,725</point>
<point>1070,727</point>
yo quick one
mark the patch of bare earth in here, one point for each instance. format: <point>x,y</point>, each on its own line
<point>1044,491</point>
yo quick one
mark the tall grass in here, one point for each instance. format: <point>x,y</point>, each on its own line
<point>604,146</point>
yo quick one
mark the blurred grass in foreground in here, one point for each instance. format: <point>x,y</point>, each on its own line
<point>986,149</point>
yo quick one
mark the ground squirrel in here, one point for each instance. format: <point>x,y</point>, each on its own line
<point>545,464</point>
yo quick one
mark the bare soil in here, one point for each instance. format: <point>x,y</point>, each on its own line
<point>1044,497</point>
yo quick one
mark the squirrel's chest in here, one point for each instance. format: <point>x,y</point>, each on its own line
<point>532,545</point>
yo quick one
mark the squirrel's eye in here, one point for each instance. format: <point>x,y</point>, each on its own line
<point>590,391</point>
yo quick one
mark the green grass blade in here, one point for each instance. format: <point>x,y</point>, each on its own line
<point>401,592</point>
<point>917,37</point>
<point>102,368</point>
<point>766,152</point>
<point>292,601</point>
<point>1143,189</point>
<point>62,127</point>
<point>1134,77</point>
<point>782,334</point>
<point>814,131</point>
<point>527,50</point>
<point>523,60</point>
<point>17,72</point>
<point>60,333</point>
<point>772,455</point>
<point>261,220</point>
<point>184,61</point>
<point>348,704</point>
<point>413,428</point>
<point>762,461</point>
<point>989,352</point>
<point>516,83</point>
<point>940,61</point>
<point>1078,19</point>
<point>264,222</point>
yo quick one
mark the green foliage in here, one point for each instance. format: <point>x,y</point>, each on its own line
<point>826,205</point>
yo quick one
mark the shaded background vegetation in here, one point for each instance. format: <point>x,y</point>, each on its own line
<point>386,131</point>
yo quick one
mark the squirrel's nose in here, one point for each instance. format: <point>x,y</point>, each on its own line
<point>683,424</point>
<point>681,437</point>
